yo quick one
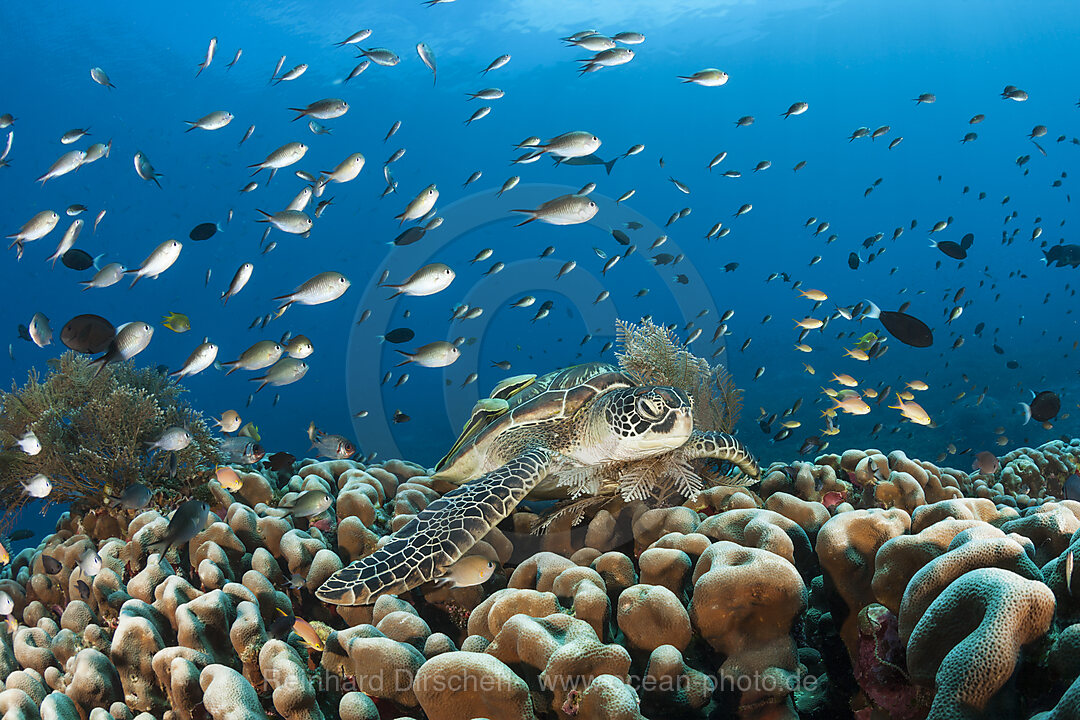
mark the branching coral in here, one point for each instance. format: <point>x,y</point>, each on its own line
<point>94,430</point>
<point>652,355</point>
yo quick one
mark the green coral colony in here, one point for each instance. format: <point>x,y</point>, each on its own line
<point>671,576</point>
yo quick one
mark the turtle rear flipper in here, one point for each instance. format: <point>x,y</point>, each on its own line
<point>440,535</point>
<point>721,446</point>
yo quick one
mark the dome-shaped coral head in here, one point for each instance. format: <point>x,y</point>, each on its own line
<point>636,422</point>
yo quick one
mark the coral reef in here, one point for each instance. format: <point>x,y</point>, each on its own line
<point>1030,475</point>
<point>94,430</point>
<point>910,599</point>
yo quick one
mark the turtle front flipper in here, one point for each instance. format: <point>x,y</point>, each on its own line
<point>721,446</point>
<point>435,539</point>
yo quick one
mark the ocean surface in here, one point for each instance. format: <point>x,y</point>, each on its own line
<point>856,65</point>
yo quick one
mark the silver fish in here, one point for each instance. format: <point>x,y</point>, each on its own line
<point>240,279</point>
<point>209,56</point>
<point>172,439</point>
<point>324,287</point>
<point>131,339</point>
<point>200,359</point>
<point>144,169</point>
<point>285,371</point>
<point>428,58</point>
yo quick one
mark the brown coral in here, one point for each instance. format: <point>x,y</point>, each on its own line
<point>93,430</point>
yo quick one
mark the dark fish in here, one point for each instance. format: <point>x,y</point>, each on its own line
<point>134,497</point>
<point>1043,407</point>
<point>20,535</point>
<point>24,333</point>
<point>280,461</point>
<point>1062,255</point>
<point>77,259</point>
<point>1012,364</point>
<point>399,335</point>
<point>51,564</point>
<point>986,462</point>
<point>998,349</point>
<point>280,628</point>
<point>730,267</point>
<point>88,334</point>
<point>784,434</point>
<point>413,234</point>
<point>853,261</point>
<point>620,237</point>
<point>967,240</point>
<point>204,231</point>
<point>1072,487</point>
<point>400,417</point>
<point>187,522</point>
<point>587,160</point>
<point>811,444</point>
<point>84,589</point>
<point>906,328</point>
<point>953,250</point>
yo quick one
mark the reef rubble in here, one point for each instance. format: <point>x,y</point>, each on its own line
<point>866,584</point>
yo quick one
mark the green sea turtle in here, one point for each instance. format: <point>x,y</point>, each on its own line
<point>570,432</point>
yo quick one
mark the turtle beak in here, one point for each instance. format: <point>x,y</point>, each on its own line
<point>669,433</point>
<point>684,423</point>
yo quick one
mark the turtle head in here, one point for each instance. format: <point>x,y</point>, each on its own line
<point>639,422</point>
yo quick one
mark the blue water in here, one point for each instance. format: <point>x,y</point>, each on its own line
<point>856,64</point>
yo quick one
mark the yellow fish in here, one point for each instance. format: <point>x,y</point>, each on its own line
<point>250,430</point>
<point>228,478</point>
<point>308,635</point>
<point>815,295</point>
<point>911,410</point>
<point>468,571</point>
<point>177,322</point>
<point>866,341</point>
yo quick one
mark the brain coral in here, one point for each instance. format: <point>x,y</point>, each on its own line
<point>970,637</point>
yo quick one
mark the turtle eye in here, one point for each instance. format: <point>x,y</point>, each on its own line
<point>650,408</point>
